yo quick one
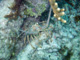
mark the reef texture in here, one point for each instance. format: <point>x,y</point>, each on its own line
<point>28,38</point>
<point>8,31</point>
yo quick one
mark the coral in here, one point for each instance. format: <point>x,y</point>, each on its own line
<point>57,11</point>
<point>15,10</point>
<point>31,9</point>
<point>8,31</point>
<point>59,41</point>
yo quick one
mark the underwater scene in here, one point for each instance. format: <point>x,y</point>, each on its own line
<point>39,29</point>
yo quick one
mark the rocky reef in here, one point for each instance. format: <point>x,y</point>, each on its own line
<point>25,36</point>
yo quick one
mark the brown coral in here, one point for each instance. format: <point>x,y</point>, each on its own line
<point>57,11</point>
<point>15,10</point>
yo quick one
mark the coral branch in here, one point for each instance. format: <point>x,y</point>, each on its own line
<point>57,11</point>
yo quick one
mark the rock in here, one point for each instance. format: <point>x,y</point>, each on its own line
<point>6,47</point>
<point>74,33</point>
<point>6,44</point>
<point>70,35</point>
<point>8,31</point>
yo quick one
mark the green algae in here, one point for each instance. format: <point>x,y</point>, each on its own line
<point>29,12</point>
<point>35,9</point>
